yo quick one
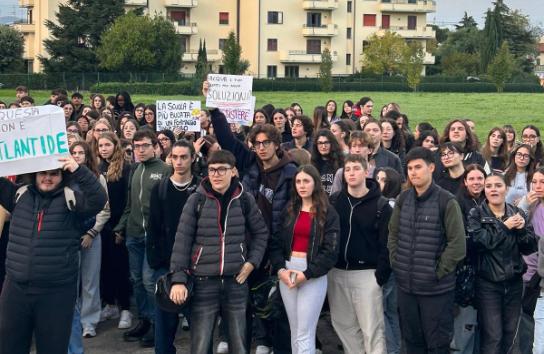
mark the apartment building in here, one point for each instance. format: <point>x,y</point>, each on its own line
<point>280,38</point>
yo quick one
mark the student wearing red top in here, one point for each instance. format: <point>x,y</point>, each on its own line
<point>302,252</point>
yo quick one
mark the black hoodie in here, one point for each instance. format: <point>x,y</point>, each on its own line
<point>362,245</point>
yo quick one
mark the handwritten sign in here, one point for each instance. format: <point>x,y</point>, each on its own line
<point>232,94</point>
<point>178,114</point>
<point>31,139</point>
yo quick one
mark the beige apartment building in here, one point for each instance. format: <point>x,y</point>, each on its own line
<point>280,38</point>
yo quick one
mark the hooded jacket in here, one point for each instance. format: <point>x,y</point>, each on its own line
<point>256,180</point>
<point>205,246</point>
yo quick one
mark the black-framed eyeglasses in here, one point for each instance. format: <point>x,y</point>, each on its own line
<point>220,171</point>
<point>264,143</point>
<point>523,156</point>
<point>447,154</point>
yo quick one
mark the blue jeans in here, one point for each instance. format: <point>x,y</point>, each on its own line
<point>465,326</point>
<point>142,277</point>
<point>211,295</point>
<point>76,341</point>
<point>391,316</point>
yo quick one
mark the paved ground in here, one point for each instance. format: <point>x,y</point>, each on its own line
<point>109,339</point>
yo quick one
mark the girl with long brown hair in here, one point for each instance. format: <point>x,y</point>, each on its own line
<point>302,252</point>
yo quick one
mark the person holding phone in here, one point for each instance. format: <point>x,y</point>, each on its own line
<point>302,252</point>
<point>501,234</point>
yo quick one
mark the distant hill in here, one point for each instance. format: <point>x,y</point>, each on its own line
<point>7,20</point>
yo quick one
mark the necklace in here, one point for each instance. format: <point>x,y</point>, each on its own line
<point>185,186</point>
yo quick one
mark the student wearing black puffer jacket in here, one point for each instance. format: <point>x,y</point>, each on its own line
<point>502,235</point>
<point>220,242</point>
<point>42,259</point>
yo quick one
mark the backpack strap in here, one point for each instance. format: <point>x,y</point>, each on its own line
<point>22,190</point>
<point>382,202</point>
<point>70,198</point>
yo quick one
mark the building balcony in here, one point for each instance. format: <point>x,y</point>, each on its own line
<point>186,29</point>
<point>26,3</point>
<point>423,6</point>
<point>25,27</point>
<point>320,31</point>
<point>181,3</point>
<point>429,59</point>
<point>136,2</point>
<point>301,57</point>
<point>418,32</point>
<point>320,4</point>
<point>191,56</point>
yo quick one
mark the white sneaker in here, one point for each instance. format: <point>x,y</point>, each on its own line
<point>126,320</point>
<point>318,351</point>
<point>109,312</point>
<point>262,349</point>
<point>223,348</point>
<point>89,332</point>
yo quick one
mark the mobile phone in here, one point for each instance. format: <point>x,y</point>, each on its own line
<point>293,277</point>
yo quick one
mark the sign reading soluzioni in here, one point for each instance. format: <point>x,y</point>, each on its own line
<point>232,94</point>
<point>184,115</point>
<point>31,139</point>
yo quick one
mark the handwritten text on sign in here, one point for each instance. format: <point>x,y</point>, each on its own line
<point>232,94</point>
<point>178,114</point>
<point>31,138</point>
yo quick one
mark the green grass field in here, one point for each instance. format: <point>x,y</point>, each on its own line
<point>487,109</point>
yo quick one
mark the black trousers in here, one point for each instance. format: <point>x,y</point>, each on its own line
<point>426,322</point>
<point>46,315</point>
<point>3,247</point>
<point>499,312</point>
<point>115,286</point>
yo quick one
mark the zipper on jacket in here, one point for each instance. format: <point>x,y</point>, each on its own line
<point>140,197</point>
<point>292,235</point>
<point>349,232</point>
<point>197,258</point>
<point>223,231</point>
<point>242,249</point>
<point>40,221</point>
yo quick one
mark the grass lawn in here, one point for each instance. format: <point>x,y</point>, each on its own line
<point>487,109</point>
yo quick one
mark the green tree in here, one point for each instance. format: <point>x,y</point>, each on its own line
<point>140,44</point>
<point>411,65</point>
<point>492,37</point>
<point>325,71</point>
<point>76,34</point>
<point>461,64</point>
<point>11,50</point>
<point>233,63</point>
<point>466,22</point>
<point>383,54</point>
<point>501,68</point>
<point>202,68</point>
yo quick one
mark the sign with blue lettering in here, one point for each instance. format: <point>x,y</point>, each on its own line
<point>178,114</point>
<point>31,139</point>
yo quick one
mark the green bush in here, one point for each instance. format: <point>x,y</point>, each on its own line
<point>149,88</point>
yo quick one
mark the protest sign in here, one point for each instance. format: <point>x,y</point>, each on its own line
<point>31,139</point>
<point>178,114</point>
<point>232,94</point>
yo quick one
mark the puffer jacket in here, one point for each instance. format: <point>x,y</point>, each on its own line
<point>499,249</point>
<point>322,250</point>
<point>205,247</point>
<point>45,235</point>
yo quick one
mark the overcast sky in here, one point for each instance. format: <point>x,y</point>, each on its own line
<point>448,12</point>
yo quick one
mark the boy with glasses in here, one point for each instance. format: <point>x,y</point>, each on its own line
<point>221,239</point>
<point>133,226</point>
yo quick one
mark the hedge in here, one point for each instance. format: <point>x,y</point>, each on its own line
<point>165,88</point>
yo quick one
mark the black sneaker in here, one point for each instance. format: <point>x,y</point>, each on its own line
<point>148,340</point>
<point>137,332</point>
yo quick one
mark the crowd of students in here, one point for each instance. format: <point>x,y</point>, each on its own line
<point>415,242</point>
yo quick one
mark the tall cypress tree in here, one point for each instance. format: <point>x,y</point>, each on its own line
<point>201,68</point>
<point>75,34</point>
<point>490,41</point>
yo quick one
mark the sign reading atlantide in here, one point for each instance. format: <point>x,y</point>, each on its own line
<point>31,139</point>
<point>178,114</point>
<point>232,94</point>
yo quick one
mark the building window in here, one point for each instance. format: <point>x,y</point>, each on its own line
<point>369,20</point>
<point>179,16</point>
<point>365,45</point>
<point>222,42</point>
<point>183,43</point>
<point>313,46</point>
<point>348,59</point>
<point>275,17</point>
<point>412,22</point>
<point>313,19</point>
<point>272,45</point>
<point>291,71</point>
<point>223,18</point>
<point>221,69</point>
<point>348,33</point>
<point>386,21</point>
<point>271,71</point>
<point>350,6</point>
